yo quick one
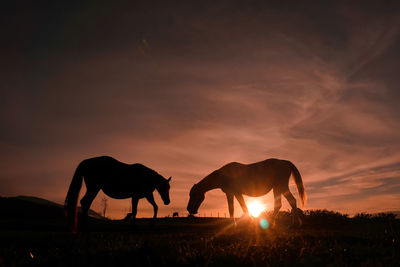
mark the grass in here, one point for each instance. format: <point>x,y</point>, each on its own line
<point>325,239</point>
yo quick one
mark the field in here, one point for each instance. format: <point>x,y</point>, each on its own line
<point>326,238</point>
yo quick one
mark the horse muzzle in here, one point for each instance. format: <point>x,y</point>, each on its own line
<point>192,212</point>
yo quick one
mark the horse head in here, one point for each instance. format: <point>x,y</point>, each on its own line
<point>163,190</point>
<point>196,198</point>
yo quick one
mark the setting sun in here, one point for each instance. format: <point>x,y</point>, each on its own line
<point>255,208</point>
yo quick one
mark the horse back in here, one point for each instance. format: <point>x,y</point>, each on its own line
<point>268,170</point>
<point>118,179</point>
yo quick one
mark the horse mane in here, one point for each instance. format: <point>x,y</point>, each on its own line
<point>209,182</point>
<point>149,170</point>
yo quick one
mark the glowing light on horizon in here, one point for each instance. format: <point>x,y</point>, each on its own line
<point>255,208</point>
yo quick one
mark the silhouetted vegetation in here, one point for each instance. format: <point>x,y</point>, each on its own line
<point>326,238</point>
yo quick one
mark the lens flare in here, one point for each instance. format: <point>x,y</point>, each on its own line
<point>255,208</point>
<point>264,224</point>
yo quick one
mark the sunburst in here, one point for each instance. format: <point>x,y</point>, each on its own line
<point>255,208</point>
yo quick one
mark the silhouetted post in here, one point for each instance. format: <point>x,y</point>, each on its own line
<point>104,200</point>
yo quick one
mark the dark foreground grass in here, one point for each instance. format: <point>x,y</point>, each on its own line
<point>335,241</point>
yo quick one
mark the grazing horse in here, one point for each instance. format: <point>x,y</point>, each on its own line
<point>256,179</point>
<point>117,180</point>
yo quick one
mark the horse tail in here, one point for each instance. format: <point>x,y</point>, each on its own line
<point>299,184</point>
<point>71,201</point>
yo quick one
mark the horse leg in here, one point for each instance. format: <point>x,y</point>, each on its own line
<point>86,201</point>
<point>277,205</point>
<point>240,199</point>
<point>229,198</point>
<point>296,221</point>
<point>150,199</point>
<point>135,202</point>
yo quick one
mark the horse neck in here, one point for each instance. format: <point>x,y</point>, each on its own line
<point>158,178</point>
<point>153,177</point>
<point>210,182</point>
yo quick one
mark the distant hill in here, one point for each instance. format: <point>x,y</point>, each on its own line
<point>33,207</point>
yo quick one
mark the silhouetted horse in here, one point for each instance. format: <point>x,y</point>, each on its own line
<point>257,179</point>
<point>117,180</point>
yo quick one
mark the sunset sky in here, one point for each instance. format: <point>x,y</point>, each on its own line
<point>185,87</point>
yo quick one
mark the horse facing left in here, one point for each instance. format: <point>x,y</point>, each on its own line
<point>117,180</point>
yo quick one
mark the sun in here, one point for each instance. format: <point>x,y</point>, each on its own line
<point>255,208</point>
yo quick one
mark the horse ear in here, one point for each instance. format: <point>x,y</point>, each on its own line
<point>169,179</point>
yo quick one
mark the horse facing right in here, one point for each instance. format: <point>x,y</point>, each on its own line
<point>117,180</point>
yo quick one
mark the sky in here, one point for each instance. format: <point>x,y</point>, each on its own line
<point>185,87</point>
